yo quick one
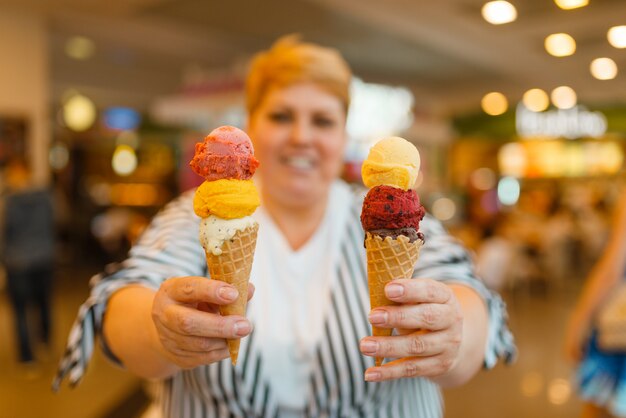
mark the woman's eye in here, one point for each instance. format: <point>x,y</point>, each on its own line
<point>280,117</point>
<point>324,122</point>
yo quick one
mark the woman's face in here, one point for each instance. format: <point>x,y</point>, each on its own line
<point>299,137</point>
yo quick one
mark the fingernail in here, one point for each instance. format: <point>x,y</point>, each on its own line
<point>228,293</point>
<point>394,290</point>
<point>372,376</point>
<point>369,347</point>
<point>242,328</point>
<point>378,317</point>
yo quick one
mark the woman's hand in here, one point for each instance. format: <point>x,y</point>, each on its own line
<point>186,315</point>
<point>576,335</point>
<point>429,322</point>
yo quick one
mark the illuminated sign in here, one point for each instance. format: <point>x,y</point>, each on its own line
<point>557,158</point>
<point>577,122</point>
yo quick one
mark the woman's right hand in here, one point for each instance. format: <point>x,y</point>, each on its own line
<point>186,315</point>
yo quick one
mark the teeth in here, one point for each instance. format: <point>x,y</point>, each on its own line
<point>300,162</point>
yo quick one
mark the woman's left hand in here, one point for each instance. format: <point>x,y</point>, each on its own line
<point>429,322</point>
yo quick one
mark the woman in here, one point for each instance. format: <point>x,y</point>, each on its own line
<point>601,374</point>
<point>303,353</point>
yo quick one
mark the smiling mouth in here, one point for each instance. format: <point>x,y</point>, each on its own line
<point>300,163</point>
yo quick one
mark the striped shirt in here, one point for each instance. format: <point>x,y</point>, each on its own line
<point>336,388</point>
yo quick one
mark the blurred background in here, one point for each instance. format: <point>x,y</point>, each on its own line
<point>518,110</point>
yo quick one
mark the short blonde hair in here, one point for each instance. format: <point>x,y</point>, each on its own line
<point>291,61</point>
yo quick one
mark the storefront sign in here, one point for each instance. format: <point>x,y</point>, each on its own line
<point>577,122</point>
<point>560,158</point>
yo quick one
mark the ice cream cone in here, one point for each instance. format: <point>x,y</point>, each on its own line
<point>233,266</point>
<point>387,260</point>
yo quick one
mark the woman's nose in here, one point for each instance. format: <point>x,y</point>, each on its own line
<point>301,133</point>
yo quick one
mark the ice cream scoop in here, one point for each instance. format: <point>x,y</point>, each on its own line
<point>393,162</point>
<point>226,198</point>
<point>226,152</point>
<point>387,207</point>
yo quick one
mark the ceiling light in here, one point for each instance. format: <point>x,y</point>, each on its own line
<point>617,36</point>
<point>603,68</point>
<point>563,97</point>
<point>571,4</point>
<point>79,48</point>
<point>536,100</point>
<point>560,45</point>
<point>499,12</point>
<point>494,103</point>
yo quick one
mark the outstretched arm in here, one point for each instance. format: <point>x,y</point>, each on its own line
<point>603,277</point>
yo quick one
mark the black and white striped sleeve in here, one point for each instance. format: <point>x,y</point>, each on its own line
<point>168,248</point>
<point>444,258</point>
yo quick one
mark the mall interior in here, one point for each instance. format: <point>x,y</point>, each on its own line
<point>518,111</point>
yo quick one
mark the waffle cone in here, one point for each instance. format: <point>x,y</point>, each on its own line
<point>387,260</point>
<point>233,267</point>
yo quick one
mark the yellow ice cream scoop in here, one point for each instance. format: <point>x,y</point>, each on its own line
<point>393,162</point>
<point>226,198</point>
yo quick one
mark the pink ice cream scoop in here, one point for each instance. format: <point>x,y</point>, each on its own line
<point>226,152</point>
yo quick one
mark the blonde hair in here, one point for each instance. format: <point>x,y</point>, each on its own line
<point>291,61</point>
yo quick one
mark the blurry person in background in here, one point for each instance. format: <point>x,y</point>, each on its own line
<point>601,374</point>
<point>27,253</point>
<point>558,244</point>
<point>495,256</point>
<point>310,353</point>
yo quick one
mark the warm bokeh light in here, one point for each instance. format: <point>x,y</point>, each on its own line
<point>79,112</point>
<point>124,160</point>
<point>603,68</point>
<point>610,158</point>
<point>563,97</point>
<point>571,4</point>
<point>617,36</point>
<point>536,100</point>
<point>80,48</point>
<point>483,178</point>
<point>444,209</point>
<point>512,159</point>
<point>499,12</point>
<point>560,45</point>
<point>559,391</point>
<point>494,103</point>
<point>508,191</point>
